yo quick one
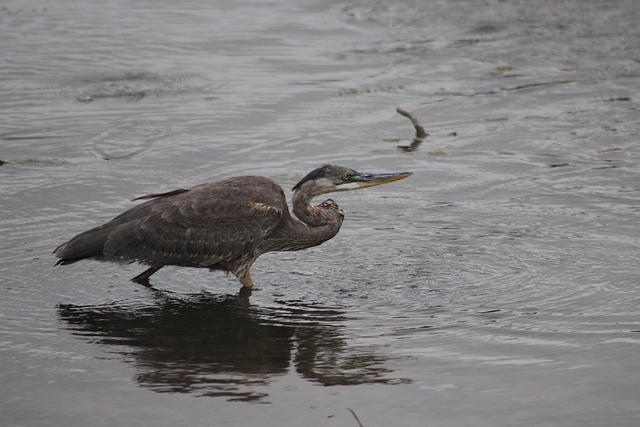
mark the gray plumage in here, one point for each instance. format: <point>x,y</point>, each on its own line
<point>221,225</point>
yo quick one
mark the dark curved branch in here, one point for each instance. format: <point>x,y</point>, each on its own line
<point>355,416</point>
<point>420,132</point>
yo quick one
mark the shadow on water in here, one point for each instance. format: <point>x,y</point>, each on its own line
<point>212,345</point>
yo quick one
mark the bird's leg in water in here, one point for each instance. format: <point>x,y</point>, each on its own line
<point>244,293</point>
<point>246,280</point>
<point>143,278</point>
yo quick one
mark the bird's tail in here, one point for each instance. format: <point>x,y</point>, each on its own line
<point>89,244</point>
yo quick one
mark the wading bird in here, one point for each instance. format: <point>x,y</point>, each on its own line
<point>222,225</point>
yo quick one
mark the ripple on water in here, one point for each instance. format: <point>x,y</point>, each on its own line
<point>131,86</point>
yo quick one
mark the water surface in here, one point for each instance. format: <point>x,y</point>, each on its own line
<point>499,285</point>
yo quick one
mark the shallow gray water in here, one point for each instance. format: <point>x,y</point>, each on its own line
<point>499,285</point>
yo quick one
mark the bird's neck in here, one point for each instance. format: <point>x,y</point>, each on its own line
<point>311,215</point>
<point>317,223</point>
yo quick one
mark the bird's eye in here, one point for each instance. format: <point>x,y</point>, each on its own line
<point>346,177</point>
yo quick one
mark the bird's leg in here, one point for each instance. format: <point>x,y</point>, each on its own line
<point>143,278</point>
<point>244,293</point>
<point>246,280</point>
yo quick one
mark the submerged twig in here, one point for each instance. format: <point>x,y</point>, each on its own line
<point>355,416</point>
<point>420,132</point>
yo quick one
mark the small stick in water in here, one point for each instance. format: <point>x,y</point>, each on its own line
<point>355,416</point>
<point>420,133</point>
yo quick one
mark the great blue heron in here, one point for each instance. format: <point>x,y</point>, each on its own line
<point>222,225</point>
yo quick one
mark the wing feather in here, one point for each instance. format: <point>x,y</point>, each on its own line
<point>204,226</point>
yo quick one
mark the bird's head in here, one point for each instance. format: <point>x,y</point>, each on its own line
<point>330,178</point>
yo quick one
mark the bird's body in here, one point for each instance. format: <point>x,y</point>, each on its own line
<point>221,225</point>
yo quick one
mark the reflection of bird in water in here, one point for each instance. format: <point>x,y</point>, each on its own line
<point>213,345</point>
<point>222,225</point>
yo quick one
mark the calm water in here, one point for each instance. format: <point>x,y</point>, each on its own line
<point>498,286</point>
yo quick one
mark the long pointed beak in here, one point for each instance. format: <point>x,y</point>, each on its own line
<point>364,180</point>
